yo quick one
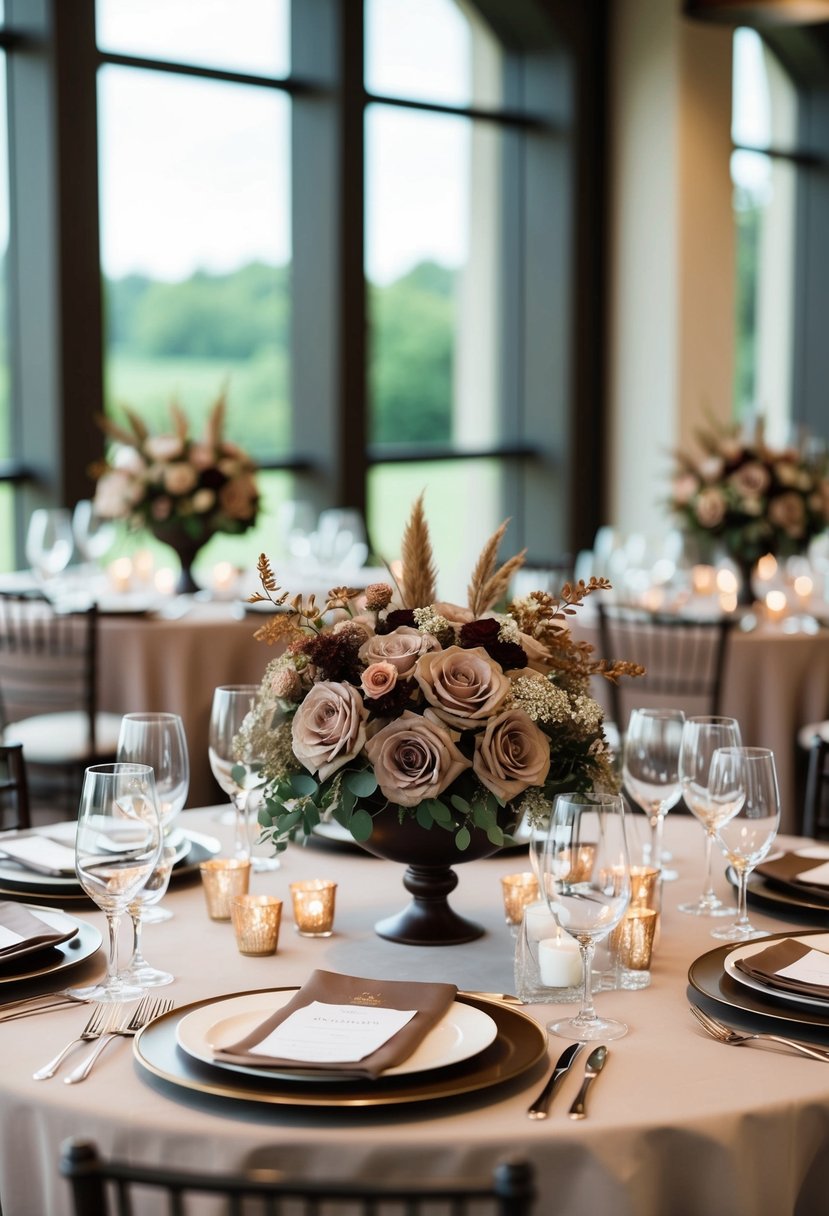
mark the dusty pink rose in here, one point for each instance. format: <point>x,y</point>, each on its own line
<point>163,447</point>
<point>116,494</point>
<point>378,679</point>
<point>238,497</point>
<point>329,728</point>
<point>710,508</point>
<point>511,755</point>
<point>414,758</point>
<point>685,487</point>
<point>787,511</point>
<point>179,478</point>
<point>201,455</point>
<point>402,648</point>
<point>465,687</point>
<point>538,656</point>
<point>751,479</point>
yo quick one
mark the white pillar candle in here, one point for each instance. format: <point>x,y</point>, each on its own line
<point>559,961</point>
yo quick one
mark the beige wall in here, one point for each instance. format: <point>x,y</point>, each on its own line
<point>671,247</point>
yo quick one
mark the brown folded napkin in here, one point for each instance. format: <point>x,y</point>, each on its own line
<point>783,872</point>
<point>34,933</point>
<point>765,966</point>
<point>430,1000</point>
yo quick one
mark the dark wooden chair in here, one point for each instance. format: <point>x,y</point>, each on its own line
<point>684,660</point>
<point>14,788</point>
<point>816,800</point>
<point>95,1182</point>
<point>48,692</point>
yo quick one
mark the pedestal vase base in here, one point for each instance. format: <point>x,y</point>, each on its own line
<point>429,920</point>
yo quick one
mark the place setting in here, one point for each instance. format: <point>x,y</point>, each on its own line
<point>342,1041</point>
<point>36,942</point>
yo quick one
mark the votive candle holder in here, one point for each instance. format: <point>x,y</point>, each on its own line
<point>632,940</point>
<point>518,890</point>
<point>256,921</point>
<point>313,903</point>
<point>223,878</point>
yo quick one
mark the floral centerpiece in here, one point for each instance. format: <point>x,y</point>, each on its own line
<point>454,721</point>
<point>749,498</point>
<point>182,489</point>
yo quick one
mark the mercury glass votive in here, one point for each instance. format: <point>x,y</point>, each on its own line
<point>313,902</point>
<point>645,887</point>
<point>223,878</point>
<point>632,941</point>
<point>256,920</point>
<point>518,890</point>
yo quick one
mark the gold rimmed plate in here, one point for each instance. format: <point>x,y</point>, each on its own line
<point>82,945</point>
<point>708,977</point>
<point>520,1043</point>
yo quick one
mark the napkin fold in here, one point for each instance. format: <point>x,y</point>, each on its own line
<point>791,871</point>
<point>40,854</point>
<point>767,965</point>
<point>22,933</point>
<point>431,1001</point>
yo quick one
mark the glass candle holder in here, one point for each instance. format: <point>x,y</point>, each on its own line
<point>313,902</point>
<point>633,945</point>
<point>256,920</point>
<point>223,878</point>
<point>518,890</point>
<point>645,887</point>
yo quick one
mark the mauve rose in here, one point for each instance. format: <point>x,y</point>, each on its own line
<point>414,758</point>
<point>465,687</point>
<point>179,478</point>
<point>538,656</point>
<point>163,447</point>
<point>787,511</point>
<point>329,728</point>
<point>239,497</point>
<point>402,648</point>
<point>378,679</point>
<point>454,613</point>
<point>710,508</point>
<point>511,755</point>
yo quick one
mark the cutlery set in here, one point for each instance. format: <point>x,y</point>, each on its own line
<point>725,1034</point>
<point>593,1066</point>
<point>107,1022</point>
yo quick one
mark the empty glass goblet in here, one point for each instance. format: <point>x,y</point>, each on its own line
<point>158,739</point>
<point>587,887</point>
<point>117,844</point>
<point>700,739</point>
<point>94,535</point>
<point>49,541</point>
<point>650,769</point>
<point>235,763</point>
<point>743,782</point>
<point>138,971</point>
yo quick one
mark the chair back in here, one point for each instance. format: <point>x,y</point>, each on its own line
<point>48,661</point>
<point>816,801</point>
<point>94,1182</point>
<point>14,788</point>
<point>684,660</point>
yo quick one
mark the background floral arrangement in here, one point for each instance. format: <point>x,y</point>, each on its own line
<point>447,713</point>
<point>153,481</point>
<point>751,498</point>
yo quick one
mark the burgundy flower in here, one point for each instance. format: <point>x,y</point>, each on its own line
<point>485,633</point>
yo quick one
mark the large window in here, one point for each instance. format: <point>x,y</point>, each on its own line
<point>368,222</point>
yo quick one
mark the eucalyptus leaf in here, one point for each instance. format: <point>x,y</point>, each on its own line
<point>361,825</point>
<point>362,783</point>
<point>463,838</point>
<point>302,785</point>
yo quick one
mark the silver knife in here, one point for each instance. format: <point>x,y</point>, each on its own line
<point>541,1105</point>
<point>594,1065</point>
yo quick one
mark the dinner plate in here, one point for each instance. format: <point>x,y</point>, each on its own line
<point>462,1032</point>
<point>56,921</point>
<point>767,897</point>
<point>57,958</point>
<point>193,849</point>
<point>751,948</point>
<point>519,1045</point>
<point>707,976</point>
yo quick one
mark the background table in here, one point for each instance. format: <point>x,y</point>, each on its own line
<point>677,1123</point>
<point>156,663</point>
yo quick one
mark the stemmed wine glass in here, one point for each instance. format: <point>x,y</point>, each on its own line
<point>587,898</point>
<point>49,541</point>
<point>140,908</point>
<point>700,739</point>
<point>743,783</point>
<point>235,763</point>
<point>116,850</point>
<point>650,769</point>
<point>94,535</point>
<point>158,739</point>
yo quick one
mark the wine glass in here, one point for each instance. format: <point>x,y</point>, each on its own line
<point>117,843</point>
<point>700,739</point>
<point>140,908</point>
<point>743,783</point>
<point>94,535</point>
<point>49,541</point>
<point>650,769</point>
<point>158,739</point>
<point>235,763</point>
<point>587,898</point>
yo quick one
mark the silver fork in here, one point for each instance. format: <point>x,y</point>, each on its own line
<point>103,1016</point>
<point>150,1007</point>
<point>724,1034</point>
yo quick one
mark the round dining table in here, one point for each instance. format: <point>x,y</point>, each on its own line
<point>676,1123</point>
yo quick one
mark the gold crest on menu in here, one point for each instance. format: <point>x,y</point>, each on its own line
<point>367,998</point>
